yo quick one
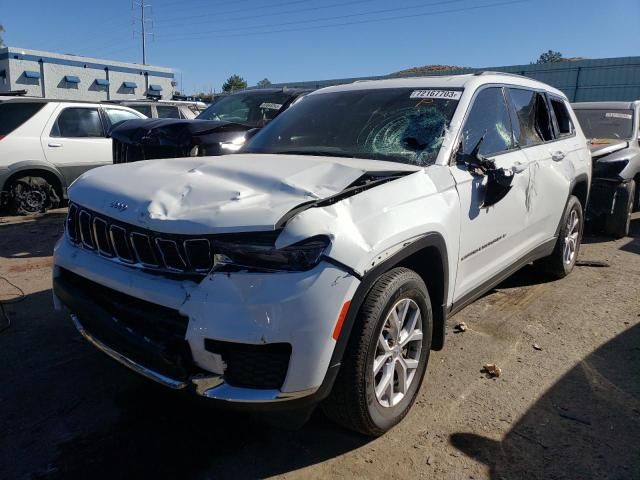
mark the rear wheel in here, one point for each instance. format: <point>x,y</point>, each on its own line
<point>617,224</point>
<point>387,356</point>
<point>29,195</point>
<point>560,263</point>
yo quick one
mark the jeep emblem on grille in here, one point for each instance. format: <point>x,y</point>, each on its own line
<point>120,206</point>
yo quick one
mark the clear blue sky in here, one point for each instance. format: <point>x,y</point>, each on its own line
<point>288,40</point>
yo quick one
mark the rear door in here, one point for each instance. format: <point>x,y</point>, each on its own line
<point>549,153</point>
<point>494,237</point>
<point>74,140</point>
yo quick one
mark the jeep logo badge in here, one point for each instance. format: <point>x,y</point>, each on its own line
<point>120,206</point>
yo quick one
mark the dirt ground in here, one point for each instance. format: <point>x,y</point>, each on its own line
<point>568,409</point>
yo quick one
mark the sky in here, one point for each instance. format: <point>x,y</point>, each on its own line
<point>206,41</point>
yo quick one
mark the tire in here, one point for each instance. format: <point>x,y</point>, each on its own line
<point>30,195</point>
<point>353,402</point>
<point>617,224</point>
<point>560,263</point>
<point>636,186</point>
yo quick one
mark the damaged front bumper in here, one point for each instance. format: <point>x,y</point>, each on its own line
<point>602,198</point>
<point>298,309</point>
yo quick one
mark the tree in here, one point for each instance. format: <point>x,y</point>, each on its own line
<point>264,83</point>
<point>233,83</point>
<point>550,57</point>
<point>1,40</point>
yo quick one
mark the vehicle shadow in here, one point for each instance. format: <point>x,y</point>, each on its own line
<point>71,412</point>
<point>30,237</point>
<point>586,426</point>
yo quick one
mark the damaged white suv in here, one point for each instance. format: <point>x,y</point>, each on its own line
<point>320,265</point>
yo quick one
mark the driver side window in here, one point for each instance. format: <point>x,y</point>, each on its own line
<point>488,118</point>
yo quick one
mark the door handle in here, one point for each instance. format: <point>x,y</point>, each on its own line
<point>557,156</point>
<point>55,145</point>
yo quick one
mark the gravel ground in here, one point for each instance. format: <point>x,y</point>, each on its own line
<point>568,408</point>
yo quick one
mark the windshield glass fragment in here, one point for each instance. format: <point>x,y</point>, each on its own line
<point>390,124</point>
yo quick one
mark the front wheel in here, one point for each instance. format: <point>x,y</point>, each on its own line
<point>560,263</point>
<point>386,357</point>
<point>29,195</point>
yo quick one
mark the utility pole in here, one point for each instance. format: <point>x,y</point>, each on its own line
<point>143,26</point>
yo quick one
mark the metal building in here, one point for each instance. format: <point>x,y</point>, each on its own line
<point>71,77</point>
<point>581,80</point>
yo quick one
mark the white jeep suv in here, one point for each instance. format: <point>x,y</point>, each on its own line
<point>320,265</point>
<point>46,144</point>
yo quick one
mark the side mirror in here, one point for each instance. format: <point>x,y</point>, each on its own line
<point>499,182</point>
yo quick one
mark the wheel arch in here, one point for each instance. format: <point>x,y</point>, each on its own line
<point>427,256</point>
<point>29,168</point>
<point>580,189</point>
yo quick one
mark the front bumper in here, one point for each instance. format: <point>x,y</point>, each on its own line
<point>300,309</point>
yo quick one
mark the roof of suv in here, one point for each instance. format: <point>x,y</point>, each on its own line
<point>606,105</point>
<point>472,80</point>
<point>53,100</point>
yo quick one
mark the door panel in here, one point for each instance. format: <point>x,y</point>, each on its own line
<point>74,141</point>
<point>491,238</point>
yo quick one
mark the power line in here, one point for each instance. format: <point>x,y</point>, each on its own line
<point>359,22</point>
<point>336,17</point>
<point>273,14</point>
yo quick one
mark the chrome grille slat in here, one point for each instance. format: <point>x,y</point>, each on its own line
<point>135,247</point>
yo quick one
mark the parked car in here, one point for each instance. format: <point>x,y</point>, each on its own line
<point>613,129</point>
<point>320,265</point>
<point>46,144</point>
<point>221,129</point>
<point>165,108</point>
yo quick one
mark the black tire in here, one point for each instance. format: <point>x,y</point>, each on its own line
<point>353,402</point>
<point>30,195</point>
<point>636,186</point>
<point>556,264</point>
<point>617,224</point>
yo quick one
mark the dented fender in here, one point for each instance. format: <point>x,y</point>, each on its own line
<point>368,228</point>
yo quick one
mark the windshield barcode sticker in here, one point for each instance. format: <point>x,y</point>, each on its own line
<point>626,116</point>
<point>448,94</point>
<point>271,106</point>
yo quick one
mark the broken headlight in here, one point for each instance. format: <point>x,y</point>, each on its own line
<point>295,258</point>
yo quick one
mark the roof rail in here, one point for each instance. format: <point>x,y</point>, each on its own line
<point>491,72</point>
<point>14,93</point>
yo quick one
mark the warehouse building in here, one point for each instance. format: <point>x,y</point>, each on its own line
<point>71,77</point>
<point>605,79</point>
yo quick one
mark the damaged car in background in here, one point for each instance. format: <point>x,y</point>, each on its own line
<point>219,130</point>
<point>319,266</point>
<point>613,130</point>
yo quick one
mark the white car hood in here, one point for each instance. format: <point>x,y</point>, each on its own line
<point>204,195</point>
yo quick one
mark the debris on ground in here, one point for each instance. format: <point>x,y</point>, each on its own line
<point>460,327</point>
<point>592,263</point>
<point>536,346</point>
<point>492,370</point>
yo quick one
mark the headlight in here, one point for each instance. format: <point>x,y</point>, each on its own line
<point>301,256</point>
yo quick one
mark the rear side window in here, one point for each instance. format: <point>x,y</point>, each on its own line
<point>565,126</point>
<point>143,109</point>
<point>116,115</point>
<point>167,111</point>
<point>78,123</point>
<point>488,118</point>
<point>14,114</point>
<point>532,121</point>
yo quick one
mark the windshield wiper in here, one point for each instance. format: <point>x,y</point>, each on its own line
<point>315,152</point>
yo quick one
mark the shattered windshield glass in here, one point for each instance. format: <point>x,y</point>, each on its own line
<point>395,124</point>
<point>253,109</point>
<point>606,123</point>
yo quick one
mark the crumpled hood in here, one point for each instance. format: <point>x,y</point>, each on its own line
<point>200,195</point>
<point>601,147</point>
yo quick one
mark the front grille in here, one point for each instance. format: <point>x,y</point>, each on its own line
<point>124,152</point>
<point>152,251</point>
<point>252,366</point>
<point>150,334</point>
